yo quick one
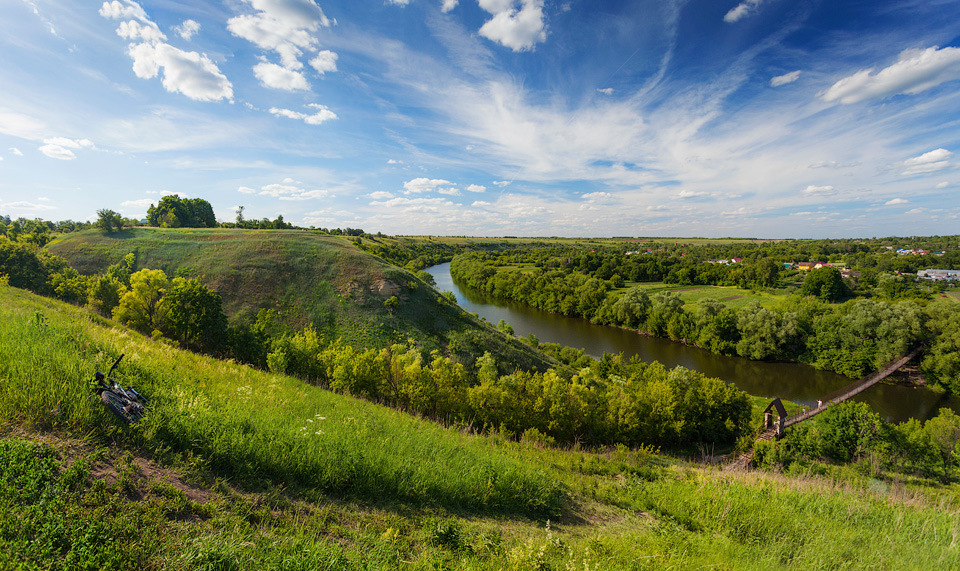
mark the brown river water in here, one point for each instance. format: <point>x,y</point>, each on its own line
<point>792,381</point>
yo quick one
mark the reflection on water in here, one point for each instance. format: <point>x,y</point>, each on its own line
<point>791,381</point>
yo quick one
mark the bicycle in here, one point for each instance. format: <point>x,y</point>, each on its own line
<point>125,403</point>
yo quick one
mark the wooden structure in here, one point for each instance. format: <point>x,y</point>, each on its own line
<point>768,419</point>
<point>773,427</point>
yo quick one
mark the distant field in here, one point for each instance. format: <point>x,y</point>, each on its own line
<point>515,241</point>
<point>731,296</point>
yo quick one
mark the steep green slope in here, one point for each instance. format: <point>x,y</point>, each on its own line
<point>283,475</point>
<point>309,279</point>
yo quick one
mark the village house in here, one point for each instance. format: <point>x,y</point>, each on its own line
<point>939,275</point>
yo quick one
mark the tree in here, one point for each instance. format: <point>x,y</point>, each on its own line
<point>194,316</point>
<point>105,293</point>
<point>140,307</point>
<point>176,212</point>
<point>108,220</point>
<point>825,283</point>
<point>240,217</point>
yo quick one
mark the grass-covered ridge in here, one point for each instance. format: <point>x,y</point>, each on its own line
<point>300,478</point>
<point>309,279</point>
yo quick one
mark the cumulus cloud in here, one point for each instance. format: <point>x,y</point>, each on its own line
<point>394,162</point>
<point>324,61</point>
<point>915,71</point>
<point>286,191</point>
<point>932,161</point>
<point>476,188</point>
<point>187,29</point>
<point>191,73</point>
<point>480,203</point>
<point>896,201</point>
<point>448,5</point>
<point>321,115</point>
<point>381,195</point>
<point>785,78</point>
<point>246,190</point>
<point>450,191</point>
<point>519,29</point>
<point>287,28</point>
<point>279,77</point>
<point>741,11</point>
<point>133,30</point>
<point>943,184</point>
<point>62,148</point>
<point>420,185</point>
<point>812,190</point>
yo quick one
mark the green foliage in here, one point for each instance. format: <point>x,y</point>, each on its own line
<point>141,306</point>
<point>109,221</point>
<point>175,212</point>
<point>194,316</point>
<point>105,293</point>
<point>826,284</point>
<point>941,361</point>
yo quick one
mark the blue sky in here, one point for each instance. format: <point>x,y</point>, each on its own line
<point>762,118</point>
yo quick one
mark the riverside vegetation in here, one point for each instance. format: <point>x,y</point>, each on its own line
<point>537,469</point>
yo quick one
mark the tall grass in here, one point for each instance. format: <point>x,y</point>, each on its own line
<point>249,425</point>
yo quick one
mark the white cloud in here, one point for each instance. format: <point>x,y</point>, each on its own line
<point>279,77</point>
<point>606,90</point>
<point>476,188</point>
<point>896,201</point>
<point>394,162</point>
<point>812,190</point>
<point>23,206</point>
<point>419,185</point>
<point>480,203</point>
<point>286,27</point>
<point>139,203</point>
<point>324,61</point>
<point>451,191</point>
<point>943,184</point>
<point>189,73</point>
<point>381,195</point>
<point>916,211</point>
<point>187,29</point>
<point>287,191</point>
<point>322,114</point>
<point>60,147</point>
<point>915,71</point>
<point>246,190</point>
<point>132,30</point>
<point>785,78</point>
<point>16,151</point>
<point>20,125</point>
<point>591,196</point>
<point>518,29</point>
<point>932,161</point>
<point>502,183</point>
<point>741,11</point>
<point>398,2</point>
<point>119,10</point>
<point>448,5</point>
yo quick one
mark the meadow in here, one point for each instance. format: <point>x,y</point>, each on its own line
<point>235,468</point>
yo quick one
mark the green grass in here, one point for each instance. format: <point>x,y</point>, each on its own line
<point>309,279</point>
<point>378,489</point>
<point>734,297</point>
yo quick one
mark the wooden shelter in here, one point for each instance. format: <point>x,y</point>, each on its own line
<point>781,418</point>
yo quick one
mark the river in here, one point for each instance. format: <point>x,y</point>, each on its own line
<point>791,381</point>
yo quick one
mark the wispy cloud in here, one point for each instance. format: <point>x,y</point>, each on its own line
<point>741,11</point>
<point>785,78</point>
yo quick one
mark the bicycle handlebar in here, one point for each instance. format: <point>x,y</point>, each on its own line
<point>115,363</point>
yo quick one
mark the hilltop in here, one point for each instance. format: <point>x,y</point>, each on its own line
<point>309,279</point>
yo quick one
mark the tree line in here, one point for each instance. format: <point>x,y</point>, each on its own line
<point>851,338</point>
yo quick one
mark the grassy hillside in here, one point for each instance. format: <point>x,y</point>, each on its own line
<point>310,279</point>
<point>238,469</point>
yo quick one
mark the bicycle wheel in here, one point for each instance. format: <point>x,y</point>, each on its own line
<point>123,408</point>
